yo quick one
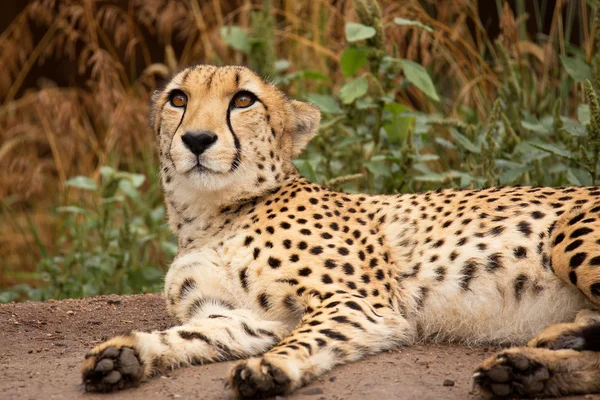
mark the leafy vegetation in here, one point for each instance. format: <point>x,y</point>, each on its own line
<point>414,96</point>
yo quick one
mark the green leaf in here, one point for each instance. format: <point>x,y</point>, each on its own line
<point>464,142</point>
<point>306,169</point>
<point>356,32</point>
<point>576,68</point>
<point>398,124</point>
<point>82,182</point>
<point>409,22</point>
<point>553,149</point>
<point>419,77</point>
<point>579,177</point>
<point>536,127</point>
<point>583,113</point>
<point>326,103</point>
<point>377,168</point>
<point>129,189</point>
<point>511,175</point>
<point>236,37</point>
<point>352,60</point>
<point>354,89</point>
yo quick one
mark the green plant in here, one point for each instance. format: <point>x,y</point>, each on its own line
<point>112,240</point>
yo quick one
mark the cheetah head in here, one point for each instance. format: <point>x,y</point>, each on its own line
<point>225,130</point>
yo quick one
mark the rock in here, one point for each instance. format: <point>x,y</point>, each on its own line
<point>448,382</point>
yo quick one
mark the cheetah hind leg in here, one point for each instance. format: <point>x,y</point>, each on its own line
<point>562,359</point>
<point>528,372</point>
<point>575,249</point>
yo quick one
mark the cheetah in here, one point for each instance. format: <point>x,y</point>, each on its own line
<point>292,279</point>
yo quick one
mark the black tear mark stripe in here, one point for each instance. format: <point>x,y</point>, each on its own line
<point>199,304</point>
<point>238,150</point>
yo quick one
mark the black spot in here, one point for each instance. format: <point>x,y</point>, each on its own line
<point>343,251</point>
<point>497,230</point>
<point>274,262</point>
<point>263,300</point>
<point>468,273</point>
<point>441,273</point>
<point>573,277</point>
<point>256,252</point>
<point>305,232</point>
<point>379,275</point>
<point>519,285</point>
<point>302,245</point>
<point>244,278</point>
<point>577,260</point>
<point>574,245</point>
<point>581,232</point>
<point>525,228</point>
<point>437,244</point>
<point>326,279</point>
<point>287,244</point>
<point>537,215</point>
<point>248,240</point>
<point>187,286</point>
<point>520,252</point>
<point>559,238</point>
<point>333,335</point>
<point>285,225</point>
<point>595,261</point>
<point>576,219</point>
<point>270,229</point>
<point>316,250</point>
<point>305,271</point>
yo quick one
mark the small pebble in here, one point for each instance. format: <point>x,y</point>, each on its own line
<point>448,382</point>
<point>70,312</point>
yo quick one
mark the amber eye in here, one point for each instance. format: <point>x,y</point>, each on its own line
<point>243,99</point>
<point>178,98</point>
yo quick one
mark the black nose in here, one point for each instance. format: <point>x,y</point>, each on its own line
<point>198,142</point>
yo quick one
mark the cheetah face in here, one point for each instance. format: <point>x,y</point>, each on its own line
<point>227,129</point>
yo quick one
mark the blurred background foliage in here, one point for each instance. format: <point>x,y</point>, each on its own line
<point>415,95</point>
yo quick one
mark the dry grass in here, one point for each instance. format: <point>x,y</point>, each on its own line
<point>50,133</point>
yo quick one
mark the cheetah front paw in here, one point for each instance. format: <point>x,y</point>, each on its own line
<point>113,365</point>
<point>259,378</point>
<point>511,374</point>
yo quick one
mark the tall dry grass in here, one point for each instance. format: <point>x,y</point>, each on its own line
<point>123,49</point>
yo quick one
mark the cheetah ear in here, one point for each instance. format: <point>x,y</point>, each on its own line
<point>307,117</point>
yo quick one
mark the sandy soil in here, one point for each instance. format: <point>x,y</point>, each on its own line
<point>43,344</point>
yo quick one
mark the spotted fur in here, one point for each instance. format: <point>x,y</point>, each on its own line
<point>294,278</point>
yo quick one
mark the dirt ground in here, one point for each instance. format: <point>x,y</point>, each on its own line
<point>42,346</point>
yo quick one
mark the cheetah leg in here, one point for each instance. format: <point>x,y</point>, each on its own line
<point>562,359</point>
<point>213,330</point>
<point>527,372</point>
<point>125,361</point>
<point>582,334</point>
<point>341,329</point>
<point>575,243</point>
